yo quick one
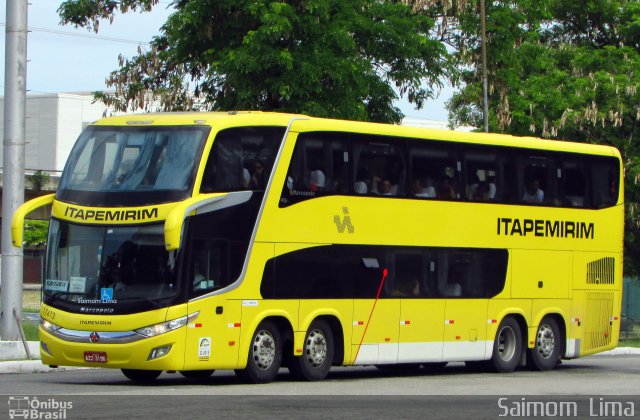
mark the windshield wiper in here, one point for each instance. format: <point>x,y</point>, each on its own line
<point>56,296</point>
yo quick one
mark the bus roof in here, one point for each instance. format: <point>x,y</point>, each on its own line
<point>306,123</point>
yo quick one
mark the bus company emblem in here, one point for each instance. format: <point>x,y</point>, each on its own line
<point>94,337</point>
<point>345,222</point>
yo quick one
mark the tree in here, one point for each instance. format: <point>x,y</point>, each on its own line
<point>559,69</point>
<point>35,232</point>
<point>327,58</point>
<point>38,180</point>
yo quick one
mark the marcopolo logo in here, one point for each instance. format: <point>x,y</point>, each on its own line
<point>23,407</point>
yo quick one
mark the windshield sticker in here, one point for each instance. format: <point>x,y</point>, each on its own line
<point>56,285</point>
<point>106,294</point>
<point>204,347</point>
<point>77,284</point>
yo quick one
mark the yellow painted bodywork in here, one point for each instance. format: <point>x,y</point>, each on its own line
<point>545,276</point>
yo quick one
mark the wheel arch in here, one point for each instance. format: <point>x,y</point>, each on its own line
<point>282,322</point>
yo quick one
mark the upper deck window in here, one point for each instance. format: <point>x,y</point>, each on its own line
<point>242,159</point>
<point>135,159</point>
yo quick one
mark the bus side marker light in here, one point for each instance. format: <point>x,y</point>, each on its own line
<point>458,337</point>
<point>232,343</point>
<point>405,322</point>
<point>449,321</point>
<point>492,321</point>
<point>298,351</point>
<point>234,325</point>
<point>387,339</point>
<point>358,323</point>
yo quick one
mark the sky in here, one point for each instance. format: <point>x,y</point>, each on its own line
<point>66,59</point>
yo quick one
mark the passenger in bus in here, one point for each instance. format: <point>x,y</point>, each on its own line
<point>446,190</point>
<point>452,288</point>
<point>482,192</point>
<point>406,286</point>
<point>423,187</point>
<point>360,187</point>
<point>491,179</point>
<point>382,186</point>
<point>317,180</point>
<point>533,194</point>
<point>258,176</point>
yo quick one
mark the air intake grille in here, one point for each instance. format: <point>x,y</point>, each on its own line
<point>597,322</point>
<point>601,271</point>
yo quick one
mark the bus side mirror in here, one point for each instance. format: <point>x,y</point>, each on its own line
<point>17,222</point>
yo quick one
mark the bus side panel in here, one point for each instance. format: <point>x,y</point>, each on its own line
<point>540,274</point>
<point>465,330</point>
<point>212,339</point>
<point>597,298</point>
<point>421,330</point>
<point>377,326</point>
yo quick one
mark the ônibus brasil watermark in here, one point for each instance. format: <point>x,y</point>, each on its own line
<point>593,407</point>
<point>24,407</point>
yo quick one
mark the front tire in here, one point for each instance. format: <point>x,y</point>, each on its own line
<point>317,353</point>
<point>507,347</point>
<point>265,355</point>
<point>138,375</point>
<point>546,353</point>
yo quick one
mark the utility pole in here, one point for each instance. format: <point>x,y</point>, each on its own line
<point>485,94</point>
<point>15,99</point>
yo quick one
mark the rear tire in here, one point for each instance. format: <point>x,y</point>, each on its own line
<point>138,375</point>
<point>317,353</point>
<point>507,347</point>
<point>265,355</point>
<point>547,351</point>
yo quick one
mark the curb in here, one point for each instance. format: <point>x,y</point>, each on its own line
<point>32,366</point>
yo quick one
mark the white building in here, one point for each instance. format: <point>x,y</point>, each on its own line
<point>54,122</point>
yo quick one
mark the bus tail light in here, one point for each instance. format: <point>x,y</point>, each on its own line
<point>164,327</point>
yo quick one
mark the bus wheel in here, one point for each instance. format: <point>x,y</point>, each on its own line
<point>546,353</point>
<point>507,347</point>
<point>265,355</point>
<point>317,354</point>
<point>138,375</point>
<point>196,374</point>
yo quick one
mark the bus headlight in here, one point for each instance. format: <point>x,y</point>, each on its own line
<point>48,326</point>
<point>164,327</point>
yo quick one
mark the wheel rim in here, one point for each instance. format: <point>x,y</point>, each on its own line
<point>264,350</point>
<point>546,341</point>
<point>506,343</point>
<point>316,348</point>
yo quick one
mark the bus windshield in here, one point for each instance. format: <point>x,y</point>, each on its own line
<point>108,270</point>
<point>133,158</point>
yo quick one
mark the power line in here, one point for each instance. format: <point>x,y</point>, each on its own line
<point>80,35</point>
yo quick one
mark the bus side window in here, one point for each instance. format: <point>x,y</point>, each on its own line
<point>605,175</point>
<point>573,183</point>
<point>380,166</point>
<point>241,158</point>
<point>320,166</point>
<point>538,178</point>
<point>435,170</point>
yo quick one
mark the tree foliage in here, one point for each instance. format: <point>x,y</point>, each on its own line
<point>35,232</point>
<point>559,69</point>
<point>328,58</point>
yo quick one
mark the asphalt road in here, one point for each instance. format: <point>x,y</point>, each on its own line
<point>357,392</point>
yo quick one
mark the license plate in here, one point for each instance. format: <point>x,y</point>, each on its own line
<point>95,356</point>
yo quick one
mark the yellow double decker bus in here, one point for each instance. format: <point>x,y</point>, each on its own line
<point>254,241</point>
